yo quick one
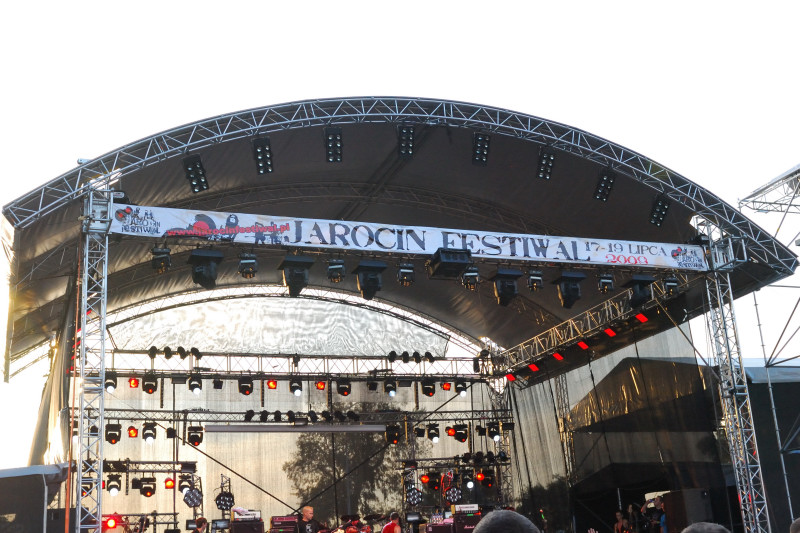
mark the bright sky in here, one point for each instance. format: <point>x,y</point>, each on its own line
<point>705,88</point>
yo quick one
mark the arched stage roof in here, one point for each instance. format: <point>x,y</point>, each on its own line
<point>438,187</point>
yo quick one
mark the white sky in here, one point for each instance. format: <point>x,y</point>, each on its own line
<point>708,89</point>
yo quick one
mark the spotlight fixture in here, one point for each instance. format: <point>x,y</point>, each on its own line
<point>113,433</point>
<point>605,283</point>
<point>246,385</point>
<point>428,387</point>
<point>263,416</point>
<point>133,432</point>
<point>433,432</point>
<point>195,384</point>
<point>405,357</point>
<point>133,382</point>
<point>296,387</point>
<point>453,494</point>
<point>535,282</point>
<point>193,497</point>
<point>461,388</point>
<point>161,260</point>
<point>195,353</point>
<point>413,496</point>
<point>319,385</point>
<point>569,288</point>
<point>449,263</point>
<point>417,357</point>
<point>641,290</point>
<point>114,484</point>
<point>352,415</point>
<point>480,148</point>
<point>434,480</point>
<point>204,263</point>
<point>393,433</point>
<point>194,434</point>
<point>480,476</point>
<point>152,352</point>
<point>493,429</point>
<point>369,277</point>
<point>184,482</point>
<point>262,153</point>
<point>505,284</point>
<point>546,159</point>
<point>461,432</point>
<point>671,286</point>
<point>405,274</point>
<point>169,483</point>
<point>248,415</point>
<point>467,479</point>
<point>419,431</point>
<point>224,501</point>
<point>372,385</point>
<point>405,141</point>
<point>112,521</point>
<point>429,357</point>
<point>149,383</point>
<point>392,356</point>
<point>111,382</point>
<point>659,211</point>
<point>335,270</point>
<point>272,384</point>
<point>333,145</point>
<point>195,173</point>
<point>216,383</point>
<point>295,273</point>
<point>313,416</point>
<point>167,352</point>
<point>446,385</point>
<point>480,431</point>
<point>470,278</point>
<point>390,387</point>
<point>277,416</point>
<point>148,486</point>
<point>149,432</point>
<point>605,182</point>
<point>181,352</point>
<point>488,480</point>
<point>248,265</point>
<point>343,387</point>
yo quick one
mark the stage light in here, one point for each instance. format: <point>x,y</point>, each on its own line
<point>169,483</point>
<point>372,385</point>
<point>641,317</point>
<point>195,173</point>
<point>114,484</point>
<point>216,383</point>
<point>405,274</point>
<point>447,386</point>
<point>113,433</point>
<point>296,387</point>
<point>429,357</point>
<point>493,430</point>
<point>505,284</point>
<point>610,332</point>
<point>272,384</point>
<point>390,387</point>
<point>453,494</point>
<point>195,353</point>
<point>480,148</point>
<point>605,283</point>
<point>488,480</point>
<point>582,345</point>
<point>161,260</point>
<point>195,384</point>
<point>262,153</point>
<point>569,288</point>
<point>479,431</point>
<point>111,382</point>
<point>428,387</point>
<point>181,352</point>
<point>557,356</point>
<point>392,433</point>
<point>479,476</point>
<point>224,501</point>
<point>133,432</point>
<point>508,426</point>
<point>413,496</point>
<point>670,286</point>
<point>152,352</point>
<point>468,481</point>
<point>320,385</point>
<point>417,357</point>
<point>248,265</point>
<point>193,497</point>
<point>343,387</point>
<point>659,212</point>
<point>433,480</point>
<point>245,385</point>
<point>148,486</point>
<point>461,388</point>
<point>424,479</point>
<point>503,457</point>
<point>511,377</point>
<point>419,431</point>
<point>335,270</point>
<point>368,278</point>
<point>448,263</point>
<point>277,416</point>
<point>194,434</point>
<point>450,431</point>
<point>641,290</point>
<point>149,383</point>
<point>333,145</point>
<point>184,482</point>
<point>249,415</point>
<point>263,416</point>
<point>313,416</point>
<point>133,382</point>
<point>204,263</point>
<point>605,182</point>
<point>470,278</point>
<point>167,352</point>
<point>405,357</point>
<point>461,432</point>
<point>546,159</point>
<point>149,432</point>
<point>392,356</point>
<point>535,282</point>
<point>533,367</point>
<point>352,415</point>
<point>327,415</point>
<point>405,141</point>
<point>433,432</point>
<point>295,273</point>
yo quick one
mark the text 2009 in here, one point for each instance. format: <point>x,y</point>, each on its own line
<point>626,259</point>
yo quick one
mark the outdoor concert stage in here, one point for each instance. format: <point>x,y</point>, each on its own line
<point>267,278</point>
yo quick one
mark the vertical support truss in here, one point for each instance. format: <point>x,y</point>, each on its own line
<point>498,394</point>
<point>564,429</point>
<point>91,360</point>
<point>735,400</point>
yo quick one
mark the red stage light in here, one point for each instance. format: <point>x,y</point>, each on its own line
<point>133,432</point>
<point>511,377</point>
<point>447,385</point>
<point>480,476</point>
<point>610,332</point>
<point>169,483</point>
<point>424,478</point>
<point>451,431</point>
<point>320,385</point>
<point>533,367</point>
<point>133,382</point>
<point>582,345</point>
<point>641,318</point>
<point>558,356</point>
<point>272,384</point>
<point>111,523</point>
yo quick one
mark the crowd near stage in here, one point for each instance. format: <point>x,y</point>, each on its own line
<point>317,316</point>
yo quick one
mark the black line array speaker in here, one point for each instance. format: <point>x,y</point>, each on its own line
<point>685,507</point>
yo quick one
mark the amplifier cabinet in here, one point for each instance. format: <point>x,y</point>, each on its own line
<point>247,527</point>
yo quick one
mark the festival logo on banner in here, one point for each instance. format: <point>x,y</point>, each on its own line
<point>134,221</point>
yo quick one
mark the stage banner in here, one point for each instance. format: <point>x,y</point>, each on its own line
<point>257,230</point>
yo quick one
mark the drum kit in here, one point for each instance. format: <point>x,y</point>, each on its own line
<point>352,523</point>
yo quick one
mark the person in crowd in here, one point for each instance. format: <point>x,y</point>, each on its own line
<point>634,518</point>
<point>795,527</point>
<point>618,523</point>
<point>655,517</point>
<point>201,524</point>
<point>505,522</point>
<point>394,524</point>
<point>705,527</point>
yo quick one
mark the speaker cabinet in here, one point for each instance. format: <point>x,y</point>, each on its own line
<point>685,507</point>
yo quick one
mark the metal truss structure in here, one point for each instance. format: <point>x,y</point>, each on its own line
<point>564,431</point>
<point>735,399</point>
<point>779,195</point>
<point>91,349</point>
<point>174,143</point>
